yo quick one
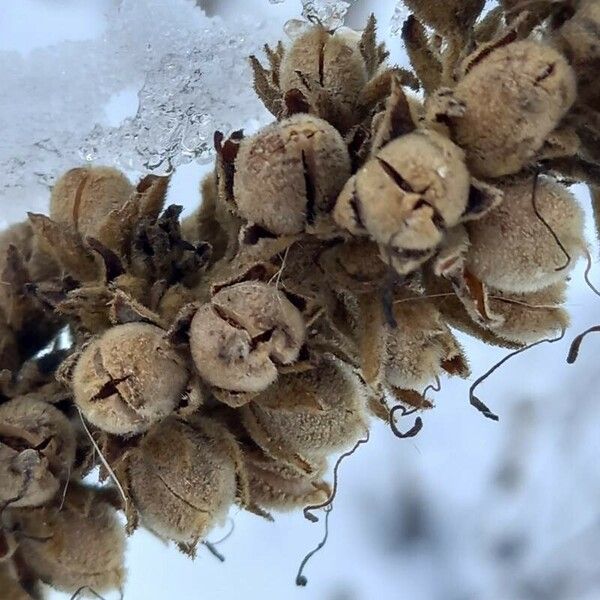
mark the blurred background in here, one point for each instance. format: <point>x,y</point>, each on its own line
<point>469,509</point>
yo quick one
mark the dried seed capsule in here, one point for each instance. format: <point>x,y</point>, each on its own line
<point>407,194</point>
<point>421,347</point>
<point>277,486</point>
<point>37,451</point>
<point>240,336</point>
<point>289,174</point>
<point>329,69</point>
<point>80,544</point>
<point>514,251</point>
<point>530,317</point>
<point>129,379</point>
<point>304,416</point>
<point>182,478</point>
<point>84,196</point>
<point>579,40</point>
<point>514,98</point>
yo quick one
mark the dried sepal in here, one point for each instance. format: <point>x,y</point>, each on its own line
<point>514,97</point>
<point>305,416</point>
<point>514,247</point>
<point>289,175</point>
<point>423,60</point>
<point>75,543</point>
<point>183,478</point>
<point>447,18</point>
<point>128,379</point>
<point>37,449</point>
<point>240,336</point>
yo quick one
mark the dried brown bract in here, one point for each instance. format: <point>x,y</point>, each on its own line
<point>239,338</point>
<point>129,378</point>
<point>37,452</point>
<point>289,175</point>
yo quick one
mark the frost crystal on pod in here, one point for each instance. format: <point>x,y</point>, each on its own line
<point>400,15</point>
<point>330,13</point>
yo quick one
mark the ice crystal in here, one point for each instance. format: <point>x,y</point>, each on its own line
<point>329,12</point>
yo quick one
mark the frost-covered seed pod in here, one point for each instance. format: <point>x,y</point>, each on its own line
<point>421,347</point>
<point>240,336</point>
<point>304,416</point>
<point>277,486</point>
<point>511,248</point>
<point>579,40</point>
<point>84,196</point>
<point>128,379</point>
<point>289,174</point>
<point>530,317</point>
<point>329,69</point>
<point>183,478</point>
<point>82,544</point>
<point>408,194</point>
<point>37,451</point>
<point>514,98</point>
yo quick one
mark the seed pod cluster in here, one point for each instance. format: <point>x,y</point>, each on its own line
<point>226,358</point>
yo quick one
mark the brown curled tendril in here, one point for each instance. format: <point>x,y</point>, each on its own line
<point>576,344</point>
<point>546,224</point>
<point>87,588</point>
<point>212,546</point>
<point>300,578</point>
<point>308,511</point>
<point>476,402</point>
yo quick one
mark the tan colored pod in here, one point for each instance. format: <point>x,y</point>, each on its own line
<point>408,193</point>
<point>421,347</point>
<point>84,196</point>
<point>273,485</point>
<point>514,98</point>
<point>240,337</point>
<point>79,544</point>
<point>182,478</point>
<point>579,40</point>
<point>329,69</point>
<point>128,379</point>
<point>304,416</point>
<point>37,451</point>
<point>289,174</point>
<point>528,318</point>
<point>511,248</point>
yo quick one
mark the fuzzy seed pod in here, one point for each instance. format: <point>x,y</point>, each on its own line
<point>240,336</point>
<point>421,347</point>
<point>129,379</point>
<point>329,69</point>
<point>82,544</point>
<point>407,194</point>
<point>289,174</point>
<point>528,318</point>
<point>276,486</point>
<point>84,196</point>
<point>304,416</point>
<point>514,98</point>
<point>182,478</point>
<point>37,451</point>
<point>511,248</point>
<point>579,40</point>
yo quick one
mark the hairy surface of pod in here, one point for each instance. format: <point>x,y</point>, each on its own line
<point>183,478</point>
<point>84,196</point>
<point>579,40</point>
<point>240,336</point>
<point>528,318</point>
<point>511,248</point>
<point>289,174</point>
<point>421,347</point>
<point>128,379</point>
<point>311,413</point>
<point>408,194</point>
<point>10,586</point>
<point>37,451</point>
<point>82,544</point>
<point>277,486</point>
<point>329,69</point>
<point>514,98</point>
